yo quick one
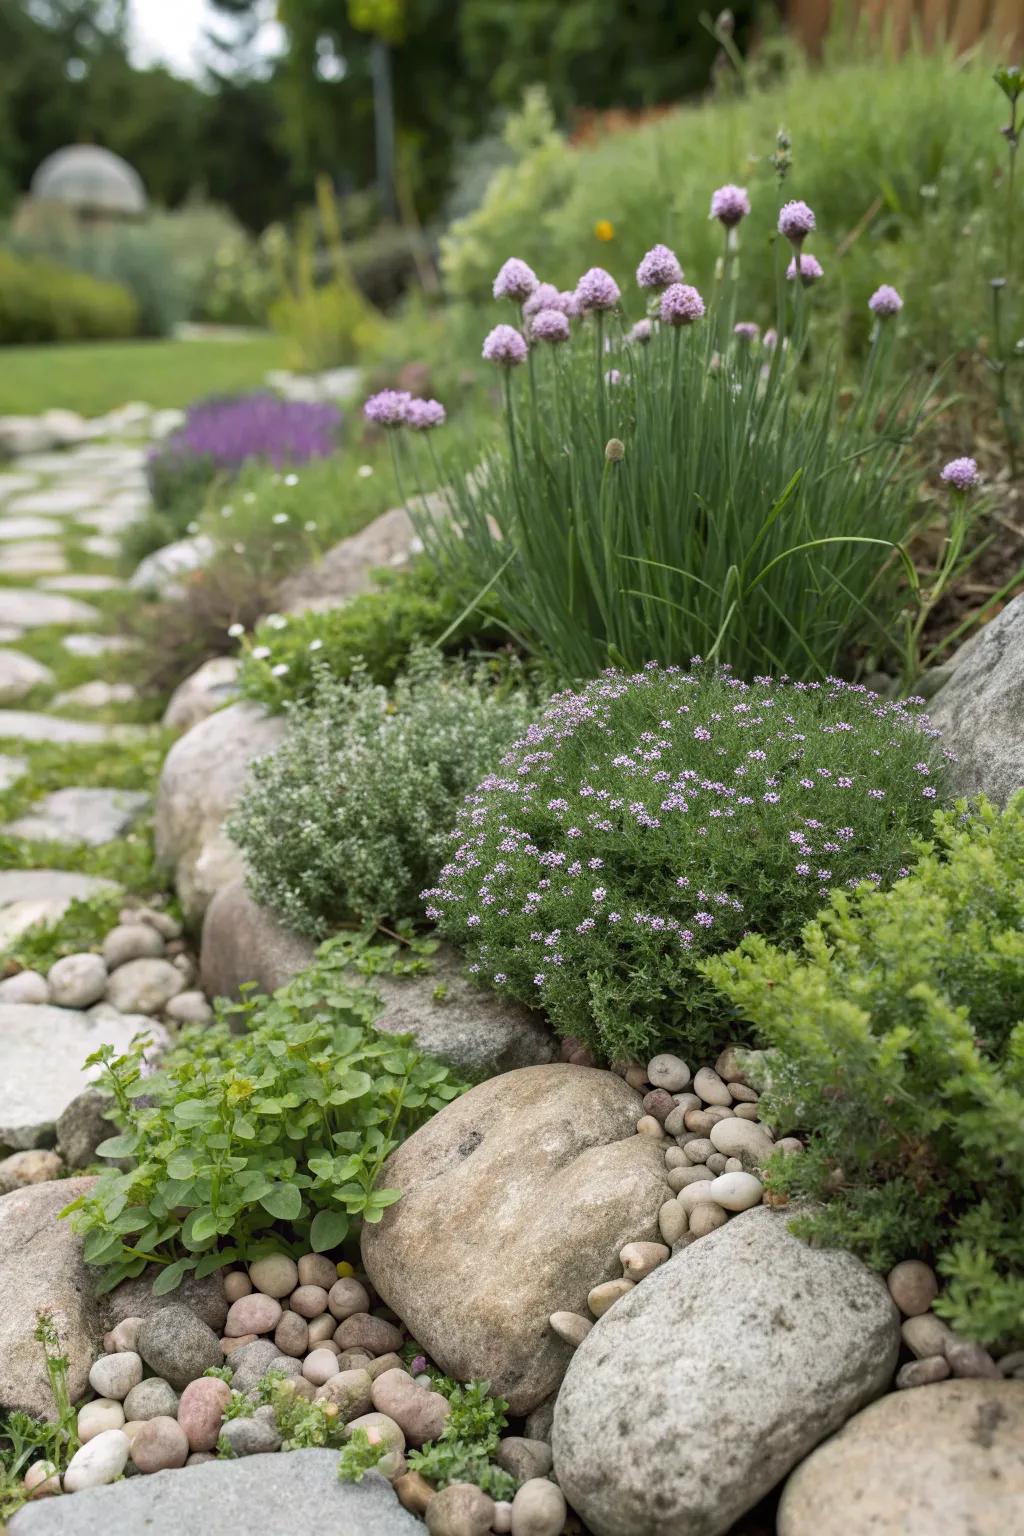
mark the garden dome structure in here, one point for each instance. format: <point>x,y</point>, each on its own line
<point>91,181</point>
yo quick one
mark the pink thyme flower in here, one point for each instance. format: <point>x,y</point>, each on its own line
<point>641,332</point>
<point>885,301</point>
<point>746,330</point>
<point>388,407</point>
<point>597,290</point>
<point>961,474</point>
<point>659,268</point>
<point>810,269</point>
<point>505,346</point>
<point>422,415</point>
<point>729,205</point>
<point>550,325</point>
<point>796,222</point>
<point>515,280</point>
<point>681,305</point>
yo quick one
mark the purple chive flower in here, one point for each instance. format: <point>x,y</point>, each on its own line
<point>505,346</point>
<point>547,296</point>
<point>810,269</point>
<point>659,268</point>
<point>729,205</point>
<point>961,474</point>
<point>885,301</point>
<point>228,432</point>
<point>681,305</point>
<point>770,337</point>
<point>388,408</point>
<point>597,290</point>
<point>422,415</point>
<point>746,330</point>
<point>515,281</point>
<point>641,333</point>
<point>549,325</point>
<point>796,222</point>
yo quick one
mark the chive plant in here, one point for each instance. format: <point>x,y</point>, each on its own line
<point>685,486</point>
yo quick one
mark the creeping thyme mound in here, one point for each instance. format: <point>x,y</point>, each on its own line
<point>348,817</point>
<point>654,819</point>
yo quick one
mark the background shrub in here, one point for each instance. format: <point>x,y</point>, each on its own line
<point>651,820</point>
<point>374,632</point>
<point>348,816</point>
<point>40,301</point>
<point>896,1036</point>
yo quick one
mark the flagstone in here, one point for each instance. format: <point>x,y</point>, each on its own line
<point>91,816</point>
<point>32,609</point>
<point>28,528</point>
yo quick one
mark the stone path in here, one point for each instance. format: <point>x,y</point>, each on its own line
<point>61,517</point>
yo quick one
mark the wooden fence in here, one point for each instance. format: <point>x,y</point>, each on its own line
<point>963,22</point>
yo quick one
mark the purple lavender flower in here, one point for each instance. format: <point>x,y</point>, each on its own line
<point>422,415</point>
<point>388,408</point>
<point>796,222</point>
<point>729,205</point>
<point>515,280</point>
<point>597,290</point>
<point>505,346</point>
<point>681,305</point>
<point>885,301</point>
<point>961,474</point>
<point>746,330</point>
<point>659,268</point>
<point>810,269</point>
<point>228,431</point>
<point>549,325</point>
<point>641,333</point>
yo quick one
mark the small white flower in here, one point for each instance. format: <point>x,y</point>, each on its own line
<point>277,621</point>
<point>236,630</point>
<point>316,645</point>
<point>260,652</point>
<point>310,527</point>
<point>280,517</point>
<point>291,479</point>
<point>192,528</point>
<point>227,511</point>
<point>279,670</point>
<point>239,549</point>
<point>249,498</point>
<point>364,471</point>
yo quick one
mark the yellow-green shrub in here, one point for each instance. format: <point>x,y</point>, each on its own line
<point>40,301</point>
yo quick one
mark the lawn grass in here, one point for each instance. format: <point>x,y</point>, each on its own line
<point>94,377</point>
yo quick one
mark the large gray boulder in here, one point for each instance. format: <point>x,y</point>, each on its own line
<point>211,685</point>
<point>696,1393</point>
<point>516,1200</point>
<point>347,569</point>
<point>43,1051</point>
<point>41,1270</point>
<point>274,1495</point>
<point>203,776</point>
<point>980,707</point>
<point>243,942</point>
<point>946,1459</point>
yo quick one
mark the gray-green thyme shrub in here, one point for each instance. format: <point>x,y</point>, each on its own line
<point>348,816</point>
<point>896,1035</point>
<point>653,819</point>
<point>268,1140</point>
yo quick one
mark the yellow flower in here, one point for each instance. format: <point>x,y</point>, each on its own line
<point>604,229</point>
<point>345,1269</point>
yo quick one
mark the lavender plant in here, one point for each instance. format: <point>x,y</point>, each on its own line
<point>220,435</point>
<point>653,819</point>
<point>670,488</point>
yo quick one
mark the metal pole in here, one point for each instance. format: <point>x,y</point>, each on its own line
<point>384,126</point>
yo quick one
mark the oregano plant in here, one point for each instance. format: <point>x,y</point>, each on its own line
<point>273,1138</point>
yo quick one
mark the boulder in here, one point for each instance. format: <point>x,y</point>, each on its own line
<point>947,1458</point>
<point>30,609</point>
<point>980,707</point>
<point>134,1298</point>
<point>347,569</point>
<point>203,776</point>
<point>161,571</point>
<point>242,942</point>
<point>43,1050</point>
<point>515,1202</point>
<point>41,1269</point>
<point>268,1494</point>
<point>477,1031</point>
<point>83,1125</point>
<point>215,683</point>
<point>745,1349</point>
